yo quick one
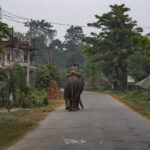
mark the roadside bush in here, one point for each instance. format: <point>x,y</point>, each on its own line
<point>2,89</point>
<point>22,100</point>
<point>34,98</point>
<point>24,96</point>
<point>38,98</point>
<point>18,78</point>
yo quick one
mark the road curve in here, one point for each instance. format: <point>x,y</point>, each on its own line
<point>105,124</point>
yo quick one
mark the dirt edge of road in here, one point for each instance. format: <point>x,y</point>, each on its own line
<point>15,125</point>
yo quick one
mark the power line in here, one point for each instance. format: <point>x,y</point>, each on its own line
<point>62,24</point>
<point>14,18</point>
<point>9,16</point>
<point>24,18</point>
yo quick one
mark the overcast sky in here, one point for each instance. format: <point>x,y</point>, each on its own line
<point>76,12</point>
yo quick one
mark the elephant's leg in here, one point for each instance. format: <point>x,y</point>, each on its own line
<point>67,103</point>
<point>81,104</point>
<point>77,103</point>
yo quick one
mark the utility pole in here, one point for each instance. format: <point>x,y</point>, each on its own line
<point>29,50</point>
<point>12,46</point>
<point>51,55</point>
<point>0,14</point>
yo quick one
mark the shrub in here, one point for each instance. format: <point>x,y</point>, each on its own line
<point>34,98</point>
<point>38,98</point>
<point>22,100</point>
<point>17,77</point>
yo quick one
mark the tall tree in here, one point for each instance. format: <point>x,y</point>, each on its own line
<point>74,45</point>
<point>43,34</point>
<point>148,46</point>
<point>5,31</point>
<point>113,45</point>
<point>59,55</point>
<point>141,58</point>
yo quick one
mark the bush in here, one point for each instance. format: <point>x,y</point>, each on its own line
<point>22,100</point>
<point>2,89</point>
<point>39,98</point>
<point>23,95</point>
<point>17,78</point>
<point>34,98</point>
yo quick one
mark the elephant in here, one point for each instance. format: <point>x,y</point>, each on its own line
<point>72,91</point>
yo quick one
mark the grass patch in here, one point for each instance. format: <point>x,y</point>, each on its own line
<point>98,89</point>
<point>15,125</point>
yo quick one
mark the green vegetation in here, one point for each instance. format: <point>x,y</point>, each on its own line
<point>73,44</point>
<point>44,74</point>
<point>118,51</point>
<point>4,32</point>
<point>32,99</point>
<point>24,96</point>
<point>14,125</point>
<point>106,59</point>
<point>111,48</point>
<point>92,74</point>
<point>142,63</point>
<point>43,34</point>
<point>17,78</point>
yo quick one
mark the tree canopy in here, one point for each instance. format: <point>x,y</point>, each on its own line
<point>113,45</point>
<point>43,34</point>
<point>5,31</point>
<point>74,44</point>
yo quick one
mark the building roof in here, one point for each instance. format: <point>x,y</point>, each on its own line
<point>16,43</point>
<point>9,43</point>
<point>145,83</point>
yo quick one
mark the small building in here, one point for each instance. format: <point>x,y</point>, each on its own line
<point>130,79</point>
<point>144,84</point>
<point>14,51</point>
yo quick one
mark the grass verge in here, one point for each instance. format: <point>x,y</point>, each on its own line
<point>139,101</point>
<point>15,125</point>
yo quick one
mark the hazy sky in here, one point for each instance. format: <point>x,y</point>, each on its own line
<point>76,12</point>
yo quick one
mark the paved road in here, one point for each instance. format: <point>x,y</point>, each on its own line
<point>105,124</point>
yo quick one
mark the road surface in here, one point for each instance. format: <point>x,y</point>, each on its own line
<point>105,124</point>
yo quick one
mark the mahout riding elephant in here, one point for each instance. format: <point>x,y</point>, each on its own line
<point>72,91</point>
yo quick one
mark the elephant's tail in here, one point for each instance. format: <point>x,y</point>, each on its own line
<point>72,91</point>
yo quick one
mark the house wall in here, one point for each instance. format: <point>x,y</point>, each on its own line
<point>1,57</point>
<point>11,56</point>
